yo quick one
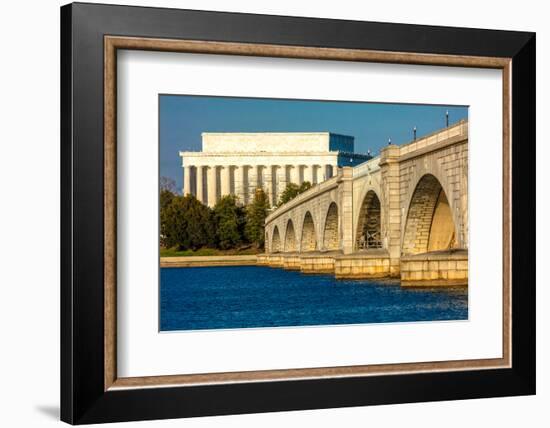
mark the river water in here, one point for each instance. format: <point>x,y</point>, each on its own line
<point>201,298</point>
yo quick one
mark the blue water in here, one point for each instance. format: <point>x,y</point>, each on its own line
<point>251,296</point>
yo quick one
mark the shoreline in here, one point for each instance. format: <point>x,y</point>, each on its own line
<point>415,271</point>
<point>208,261</point>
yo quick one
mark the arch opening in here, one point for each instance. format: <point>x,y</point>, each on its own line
<point>430,225</point>
<point>290,237</point>
<point>276,241</point>
<point>309,239</point>
<point>369,226</point>
<point>330,233</point>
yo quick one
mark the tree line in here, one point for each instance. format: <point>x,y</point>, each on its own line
<point>188,224</point>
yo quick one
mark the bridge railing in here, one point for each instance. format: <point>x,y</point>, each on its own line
<point>368,167</point>
<point>314,191</point>
<point>370,240</point>
<point>458,129</point>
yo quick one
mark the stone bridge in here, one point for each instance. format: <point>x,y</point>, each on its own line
<point>402,214</point>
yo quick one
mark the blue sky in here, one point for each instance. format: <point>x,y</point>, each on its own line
<point>184,117</point>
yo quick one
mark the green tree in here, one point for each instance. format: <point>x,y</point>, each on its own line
<point>186,223</point>
<point>166,197</point>
<point>256,212</point>
<point>230,220</point>
<point>292,190</point>
<point>306,185</point>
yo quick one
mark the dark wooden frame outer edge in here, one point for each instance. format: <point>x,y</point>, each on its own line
<point>90,391</point>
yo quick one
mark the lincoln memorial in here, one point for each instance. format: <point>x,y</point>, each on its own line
<point>238,163</point>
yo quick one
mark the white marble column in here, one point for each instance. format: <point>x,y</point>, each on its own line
<point>316,174</point>
<point>281,181</point>
<point>193,179</point>
<point>295,174</point>
<point>200,183</point>
<point>328,171</point>
<point>252,181</point>
<point>308,173</point>
<point>225,180</point>
<point>239,184</point>
<point>267,180</point>
<point>187,180</point>
<point>211,186</point>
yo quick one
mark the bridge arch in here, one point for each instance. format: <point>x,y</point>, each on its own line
<point>276,241</point>
<point>430,224</point>
<point>290,237</point>
<point>459,209</point>
<point>369,224</point>
<point>330,232</point>
<point>308,241</point>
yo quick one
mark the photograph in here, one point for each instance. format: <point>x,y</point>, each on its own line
<point>294,212</point>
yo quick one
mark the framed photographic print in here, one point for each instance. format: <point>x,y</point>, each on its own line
<point>266,213</point>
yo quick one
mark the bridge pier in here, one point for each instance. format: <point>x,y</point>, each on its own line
<point>291,261</point>
<point>275,260</point>
<point>262,259</point>
<point>390,189</point>
<point>435,269</point>
<point>367,264</point>
<point>346,202</point>
<point>317,263</point>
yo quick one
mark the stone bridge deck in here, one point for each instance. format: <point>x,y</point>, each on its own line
<point>402,214</point>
